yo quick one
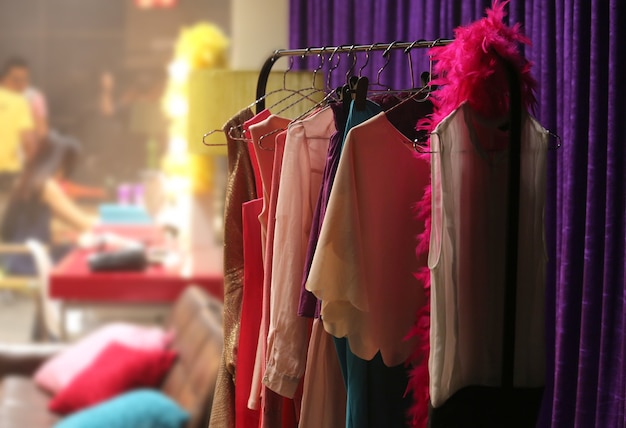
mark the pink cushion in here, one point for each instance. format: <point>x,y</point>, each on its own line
<point>116,370</point>
<point>60,370</point>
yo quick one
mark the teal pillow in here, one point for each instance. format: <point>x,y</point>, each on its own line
<point>142,408</point>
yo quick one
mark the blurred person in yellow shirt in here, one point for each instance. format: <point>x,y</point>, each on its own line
<point>17,126</point>
<point>17,78</point>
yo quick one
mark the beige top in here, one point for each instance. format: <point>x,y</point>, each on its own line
<point>363,268</point>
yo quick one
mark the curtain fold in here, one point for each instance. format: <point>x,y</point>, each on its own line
<point>580,63</point>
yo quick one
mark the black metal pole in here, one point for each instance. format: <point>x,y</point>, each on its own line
<point>261,86</point>
<point>512,231</point>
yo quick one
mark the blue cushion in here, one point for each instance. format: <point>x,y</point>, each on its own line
<point>142,408</point>
<point>123,214</point>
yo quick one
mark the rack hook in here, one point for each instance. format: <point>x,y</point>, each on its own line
<point>387,56</point>
<point>418,146</point>
<point>367,58</point>
<point>289,68</point>
<point>306,52</point>
<point>430,67</point>
<point>351,69</point>
<point>333,67</point>
<point>558,140</point>
<point>407,51</point>
<point>321,56</point>
<point>263,137</point>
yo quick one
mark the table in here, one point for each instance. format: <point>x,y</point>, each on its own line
<point>72,283</point>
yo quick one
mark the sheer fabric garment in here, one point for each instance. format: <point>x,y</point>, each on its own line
<point>467,254</point>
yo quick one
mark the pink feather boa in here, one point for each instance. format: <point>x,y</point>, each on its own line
<point>469,69</point>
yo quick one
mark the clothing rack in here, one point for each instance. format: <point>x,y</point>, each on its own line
<point>269,63</point>
<point>511,268</point>
<point>512,231</point>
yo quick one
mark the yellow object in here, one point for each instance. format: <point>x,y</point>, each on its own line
<point>200,47</point>
<point>15,118</point>
<point>202,173</point>
<point>198,168</point>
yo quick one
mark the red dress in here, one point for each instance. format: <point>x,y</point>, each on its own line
<point>250,313</point>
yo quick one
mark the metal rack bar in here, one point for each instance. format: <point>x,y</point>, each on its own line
<point>269,63</point>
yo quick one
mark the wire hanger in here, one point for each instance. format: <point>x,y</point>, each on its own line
<point>363,87</point>
<point>313,87</point>
<point>367,59</point>
<point>234,138</point>
<point>430,70</point>
<point>353,66</point>
<point>345,91</point>
<point>426,88</point>
<point>208,134</point>
<point>387,56</point>
<point>269,134</point>
<point>294,92</point>
<point>321,66</point>
<point>407,51</point>
<point>362,84</point>
<point>284,88</point>
<point>333,67</point>
<point>329,96</point>
<point>557,138</point>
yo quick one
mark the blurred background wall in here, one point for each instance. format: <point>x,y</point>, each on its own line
<point>81,51</point>
<point>69,43</point>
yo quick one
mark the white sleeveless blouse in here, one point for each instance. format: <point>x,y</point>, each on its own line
<point>468,251</point>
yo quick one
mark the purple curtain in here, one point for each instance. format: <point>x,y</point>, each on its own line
<point>581,72</point>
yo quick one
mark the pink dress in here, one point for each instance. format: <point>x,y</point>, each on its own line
<point>274,407</point>
<point>265,159</point>
<point>253,157</point>
<point>270,163</point>
<point>266,165</point>
<point>300,182</point>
